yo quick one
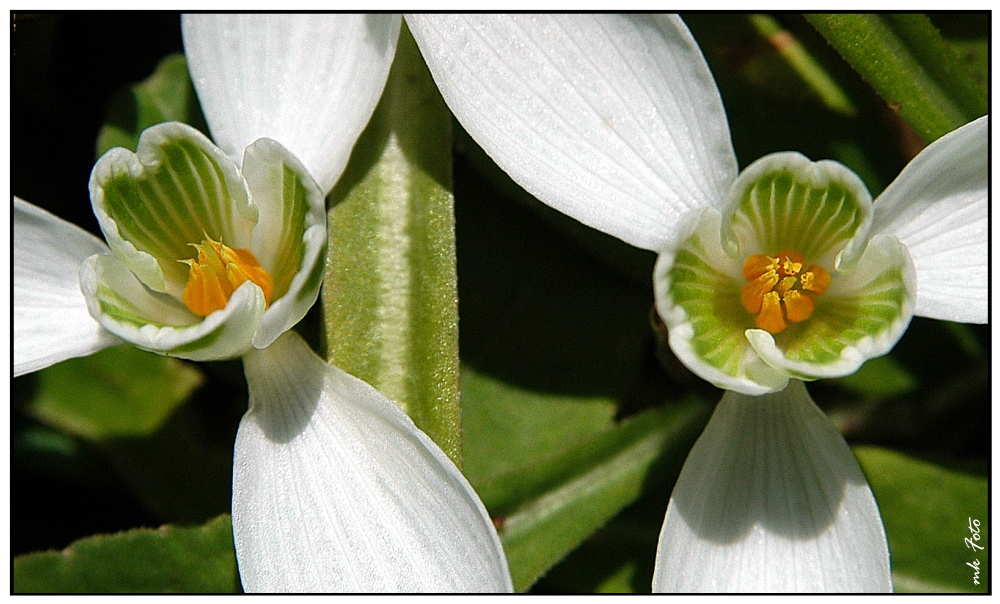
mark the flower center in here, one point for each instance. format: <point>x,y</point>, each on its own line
<point>217,272</point>
<point>777,288</point>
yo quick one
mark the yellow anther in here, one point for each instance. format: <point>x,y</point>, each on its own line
<point>791,268</point>
<point>776,289</point>
<point>816,279</point>
<point>217,272</point>
<point>757,265</point>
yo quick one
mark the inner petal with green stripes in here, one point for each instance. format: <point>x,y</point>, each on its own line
<point>208,259</point>
<point>787,281</point>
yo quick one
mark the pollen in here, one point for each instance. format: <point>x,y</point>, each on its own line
<point>217,272</point>
<point>779,290</point>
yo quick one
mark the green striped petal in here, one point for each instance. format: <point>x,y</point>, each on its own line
<point>698,296</point>
<point>290,238</point>
<point>784,201</point>
<point>160,323</point>
<point>176,188</point>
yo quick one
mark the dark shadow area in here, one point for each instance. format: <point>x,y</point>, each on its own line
<point>69,488</point>
<point>64,69</point>
<point>535,309</point>
<point>624,551</point>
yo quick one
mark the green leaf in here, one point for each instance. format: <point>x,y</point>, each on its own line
<point>138,426</point>
<point>389,295</point>
<point>570,497</point>
<point>911,67</point>
<point>165,560</point>
<point>166,95</point>
<point>516,429</point>
<point>796,58</point>
<point>118,392</point>
<point>927,509</point>
<point>880,377</point>
<point>619,558</point>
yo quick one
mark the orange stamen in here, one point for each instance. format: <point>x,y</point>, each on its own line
<point>217,272</point>
<point>816,279</point>
<point>777,289</point>
<point>770,318</point>
<point>798,308</point>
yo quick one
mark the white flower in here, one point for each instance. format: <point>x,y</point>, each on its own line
<point>786,271</point>
<point>216,252</point>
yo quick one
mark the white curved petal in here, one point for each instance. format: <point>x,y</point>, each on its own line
<point>335,489</point>
<point>309,82</point>
<point>771,499</point>
<point>939,207</point>
<point>708,336</point>
<point>51,322</point>
<point>614,120</point>
<point>291,236</point>
<point>160,323</point>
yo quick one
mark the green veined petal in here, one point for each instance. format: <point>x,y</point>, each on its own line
<point>159,323</point>
<point>698,296</point>
<point>785,201</point>
<point>290,239</point>
<point>175,189</point>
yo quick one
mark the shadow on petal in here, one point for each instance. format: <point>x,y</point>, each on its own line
<point>283,417</point>
<point>773,461</point>
<point>772,499</point>
<point>336,490</point>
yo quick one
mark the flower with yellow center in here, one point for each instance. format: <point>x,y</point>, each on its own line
<point>746,295</point>
<point>215,274</point>
<point>211,260</point>
<point>779,288</point>
<point>784,270</point>
<point>216,252</point>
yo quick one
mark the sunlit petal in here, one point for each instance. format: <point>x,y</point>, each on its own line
<point>336,490</point>
<point>310,82</point>
<point>614,120</point>
<point>771,499</point>
<point>939,207</point>
<point>51,322</point>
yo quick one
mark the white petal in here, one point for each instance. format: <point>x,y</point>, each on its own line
<point>291,236</point>
<point>162,324</point>
<point>614,120</point>
<point>707,336</point>
<point>309,82</point>
<point>771,499</point>
<point>51,322</point>
<point>939,208</point>
<point>335,490</point>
